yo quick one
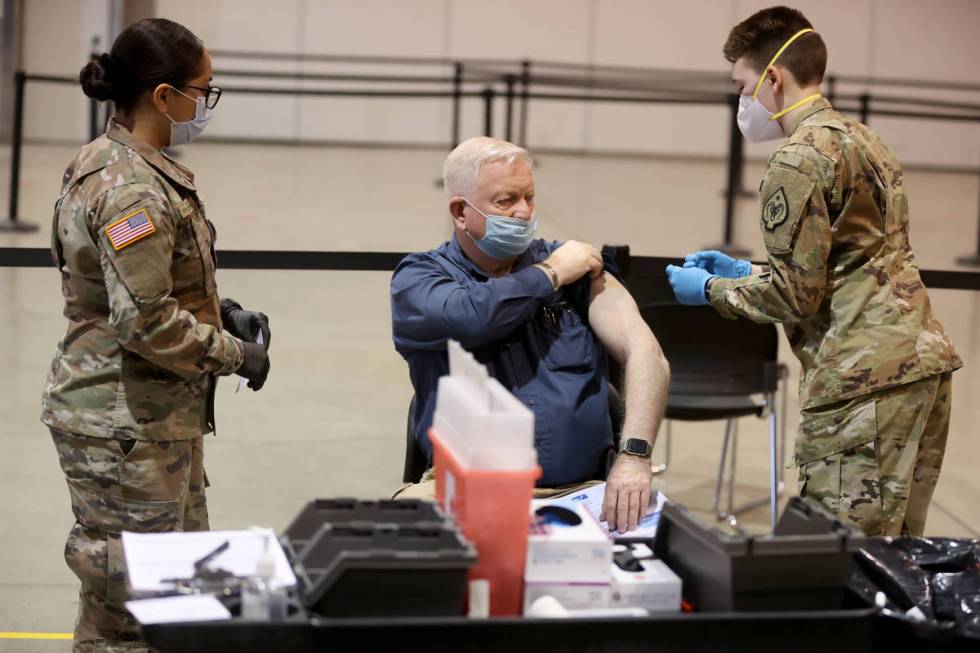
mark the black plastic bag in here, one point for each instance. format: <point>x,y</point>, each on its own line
<point>930,584</point>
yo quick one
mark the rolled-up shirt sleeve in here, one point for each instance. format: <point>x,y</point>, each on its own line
<point>429,306</point>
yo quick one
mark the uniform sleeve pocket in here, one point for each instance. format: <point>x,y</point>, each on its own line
<point>785,195</point>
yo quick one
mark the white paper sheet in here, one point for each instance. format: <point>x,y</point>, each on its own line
<point>242,381</point>
<point>174,609</point>
<point>153,557</point>
<point>592,498</point>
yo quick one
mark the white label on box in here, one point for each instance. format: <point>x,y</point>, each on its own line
<point>656,588</point>
<point>572,596</point>
<point>577,553</point>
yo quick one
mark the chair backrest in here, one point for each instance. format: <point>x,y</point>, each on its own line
<point>709,354</point>
<point>415,461</point>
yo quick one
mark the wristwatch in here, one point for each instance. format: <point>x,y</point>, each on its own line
<point>551,272</point>
<point>636,447</point>
<point>707,289</point>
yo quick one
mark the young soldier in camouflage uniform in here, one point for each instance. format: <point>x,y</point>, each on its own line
<point>131,388</point>
<point>841,278</point>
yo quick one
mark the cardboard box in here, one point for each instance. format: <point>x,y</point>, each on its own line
<point>656,588</point>
<point>566,546</point>
<point>573,596</point>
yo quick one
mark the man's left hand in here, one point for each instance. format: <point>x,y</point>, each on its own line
<point>627,493</point>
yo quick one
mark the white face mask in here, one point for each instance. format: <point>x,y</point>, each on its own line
<point>182,133</point>
<point>755,121</point>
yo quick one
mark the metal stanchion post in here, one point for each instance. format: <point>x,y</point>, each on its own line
<point>736,160</point>
<point>11,222</point>
<point>457,102</point>
<point>93,106</point>
<point>488,95</point>
<point>973,260</point>
<point>525,91</point>
<point>865,100</point>
<point>509,115</point>
<point>93,119</point>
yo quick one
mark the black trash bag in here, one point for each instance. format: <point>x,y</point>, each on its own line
<point>938,579</point>
<point>896,573</point>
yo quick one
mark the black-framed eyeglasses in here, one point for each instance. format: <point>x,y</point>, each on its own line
<point>211,93</point>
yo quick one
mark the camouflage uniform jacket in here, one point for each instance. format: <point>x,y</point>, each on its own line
<point>841,276</point>
<point>144,338</point>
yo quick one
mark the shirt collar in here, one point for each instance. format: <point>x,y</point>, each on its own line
<point>819,104</point>
<point>166,166</point>
<point>458,256</point>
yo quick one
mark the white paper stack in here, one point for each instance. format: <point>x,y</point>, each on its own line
<point>152,558</point>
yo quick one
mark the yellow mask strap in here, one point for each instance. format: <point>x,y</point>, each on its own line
<point>776,56</point>
<point>782,113</point>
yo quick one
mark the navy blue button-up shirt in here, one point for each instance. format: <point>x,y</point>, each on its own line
<point>535,341</point>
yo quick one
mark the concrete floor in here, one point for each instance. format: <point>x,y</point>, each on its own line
<point>330,421</point>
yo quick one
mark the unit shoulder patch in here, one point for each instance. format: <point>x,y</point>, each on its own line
<point>776,209</point>
<point>129,229</point>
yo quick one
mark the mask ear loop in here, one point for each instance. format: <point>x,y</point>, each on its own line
<point>776,56</point>
<point>486,221</point>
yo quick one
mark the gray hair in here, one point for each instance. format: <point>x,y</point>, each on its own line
<point>462,166</point>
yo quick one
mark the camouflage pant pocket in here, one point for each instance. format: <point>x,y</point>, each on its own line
<point>93,551</point>
<point>848,484</point>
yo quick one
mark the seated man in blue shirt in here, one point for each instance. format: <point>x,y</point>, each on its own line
<point>541,316</point>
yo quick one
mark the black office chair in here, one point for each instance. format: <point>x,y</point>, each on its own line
<point>416,463</point>
<point>716,366</point>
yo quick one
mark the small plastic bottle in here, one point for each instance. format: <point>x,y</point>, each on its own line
<point>262,599</point>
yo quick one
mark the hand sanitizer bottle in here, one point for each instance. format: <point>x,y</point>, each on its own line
<point>262,599</point>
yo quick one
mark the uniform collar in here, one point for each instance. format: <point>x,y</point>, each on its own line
<point>166,166</point>
<point>458,256</point>
<point>819,104</point>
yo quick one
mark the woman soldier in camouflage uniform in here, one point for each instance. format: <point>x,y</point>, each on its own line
<point>131,388</point>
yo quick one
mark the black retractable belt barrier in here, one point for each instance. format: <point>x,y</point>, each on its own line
<point>646,276</point>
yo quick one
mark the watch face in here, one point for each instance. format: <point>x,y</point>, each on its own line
<point>636,446</point>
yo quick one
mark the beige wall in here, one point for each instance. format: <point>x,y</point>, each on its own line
<point>885,38</point>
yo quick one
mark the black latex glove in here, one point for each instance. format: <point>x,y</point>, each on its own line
<point>244,325</point>
<point>255,366</point>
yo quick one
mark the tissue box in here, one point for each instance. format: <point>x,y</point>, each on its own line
<point>655,588</point>
<point>566,546</point>
<point>573,596</point>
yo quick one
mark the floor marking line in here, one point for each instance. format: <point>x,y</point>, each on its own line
<point>15,635</point>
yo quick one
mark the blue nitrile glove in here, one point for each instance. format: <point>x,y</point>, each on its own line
<point>688,284</point>
<point>718,263</point>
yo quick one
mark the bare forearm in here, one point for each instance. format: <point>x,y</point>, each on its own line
<point>647,377</point>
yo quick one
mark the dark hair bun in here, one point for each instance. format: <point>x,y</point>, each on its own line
<point>97,79</point>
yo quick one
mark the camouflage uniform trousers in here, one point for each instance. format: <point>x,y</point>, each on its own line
<point>889,451</point>
<point>115,486</point>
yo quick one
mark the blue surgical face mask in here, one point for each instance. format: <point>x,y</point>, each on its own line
<point>505,237</point>
<point>182,133</point>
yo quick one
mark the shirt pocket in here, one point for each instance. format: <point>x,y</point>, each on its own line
<point>194,261</point>
<point>566,342</point>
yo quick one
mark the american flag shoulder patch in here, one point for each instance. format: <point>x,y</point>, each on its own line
<point>129,229</point>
